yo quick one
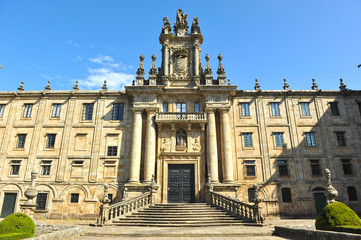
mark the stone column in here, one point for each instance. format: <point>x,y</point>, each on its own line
<point>135,155</point>
<point>227,147</point>
<point>196,60</point>
<point>149,165</point>
<point>212,146</point>
<point>166,60</point>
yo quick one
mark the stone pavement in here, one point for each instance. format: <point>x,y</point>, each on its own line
<point>183,233</point>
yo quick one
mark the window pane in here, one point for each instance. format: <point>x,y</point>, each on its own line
<point>51,140</point>
<point>315,168</point>
<point>88,111</point>
<point>56,110</point>
<point>118,110</point>
<point>247,139</point>
<point>286,195</point>
<point>279,140</point>
<point>41,201</point>
<point>275,109</point>
<point>310,137</point>
<point>112,150</point>
<point>347,166</point>
<point>283,167</point>
<point>341,140</point>
<point>305,109</point>
<point>27,110</point>
<point>196,107</point>
<point>245,109</point>
<point>2,108</point>
<point>352,195</point>
<point>334,109</point>
<point>21,140</point>
<point>74,198</point>
<point>165,107</point>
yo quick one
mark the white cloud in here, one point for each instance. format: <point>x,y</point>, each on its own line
<point>74,44</point>
<point>115,74</point>
<point>46,77</point>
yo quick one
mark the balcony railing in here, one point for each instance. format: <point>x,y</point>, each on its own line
<point>179,117</point>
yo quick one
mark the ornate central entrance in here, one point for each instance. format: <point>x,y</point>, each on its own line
<point>181,183</point>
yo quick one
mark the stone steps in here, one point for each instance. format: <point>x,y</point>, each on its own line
<point>179,215</point>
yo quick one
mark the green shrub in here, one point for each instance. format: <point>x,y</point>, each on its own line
<point>13,236</point>
<point>18,223</point>
<point>336,214</point>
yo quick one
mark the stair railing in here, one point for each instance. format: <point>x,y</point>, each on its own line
<point>234,206</point>
<point>109,212</point>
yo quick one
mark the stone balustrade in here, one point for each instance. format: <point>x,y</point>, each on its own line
<point>235,207</point>
<point>179,117</point>
<point>123,208</point>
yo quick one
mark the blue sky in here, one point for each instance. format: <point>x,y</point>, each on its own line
<point>90,41</point>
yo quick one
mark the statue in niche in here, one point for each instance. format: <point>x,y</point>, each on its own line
<point>166,28</point>
<point>181,138</point>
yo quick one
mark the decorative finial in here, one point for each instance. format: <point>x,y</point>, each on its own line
<point>330,192</point>
<point>181,25</point>
<point>76,86</point>
<point>285,85</point>
<point>342,85</point>
<point>21,87</point>
<point>195,29</point>
<point>208,65</point>
<point>166,29</point>
<point>220,65</point>
<point>257,87</point>
<point>314,85</point>
<point>48,86</point>
<point>133,83</point>
<point>229,81</point>
<point>104,88</point>
<point>153,69</point>
<point>140,71</point>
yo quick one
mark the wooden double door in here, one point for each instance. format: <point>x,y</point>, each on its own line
<point>181,183</point>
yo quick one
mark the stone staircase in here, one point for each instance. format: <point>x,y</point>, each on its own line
<point>179,215</point>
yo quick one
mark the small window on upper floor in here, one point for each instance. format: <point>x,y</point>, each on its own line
<point>275,108</point>
<point>250,168</point>
<point>196,107</point>
<point>27,110</point>
<point>88,111</point>
<point>21,141</point>
<point>50,140</point>
<point>2,108</point>
<point>347,166</point>
<point>15,167</point>
<point>45,167</point>
<point>315,167</point>
<point>181,107</point>
<point>56,110</point>
<point>165,107</point>
<point>247,140</point>
<point>74,197</point>
<point>310,139</point>
<point>283,168</point>
<point>112,151</point>
<point>305,107</point>
<point>245,110</point>
<point>118,110</point>
<point>334,109</point>
<point>279,139</point>
<point>341,139</point>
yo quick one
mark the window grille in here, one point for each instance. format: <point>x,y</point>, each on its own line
<point>250,168</point>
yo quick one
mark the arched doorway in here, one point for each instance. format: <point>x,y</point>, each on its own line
<point>319,198</point>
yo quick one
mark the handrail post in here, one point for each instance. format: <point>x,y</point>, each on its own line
<point>153,191</point>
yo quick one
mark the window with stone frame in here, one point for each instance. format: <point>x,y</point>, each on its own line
<point>88,111</point>
<point>305,108</point>
<point>310,139</point>
<point>347,166</point>
<point>21,141</point>
<point>56,110</point>
<point>165,107</point>
<point>41,200</point>
<point>27,110</point>
<point>251,194</point>
<point>118,111</point>
<point>45,167</point>
<point>341,139</point>
<point>15,167</point>
<point>352,194</point>
<point>275,109</point>
<point>286,195</point>
<point>315,167</point>
<point>74,197</point>
<point>282,168</point>
<point>50,140</point>
<point>112,151</point>
<point>250,168</point>
<point>2,108</point>
<point>196,107</point>
<point>335,111</point>
<point>279,139</point>
<point>247,140</point>
<point>245,110</point>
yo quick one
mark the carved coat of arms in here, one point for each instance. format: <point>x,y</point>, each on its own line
<point>181,61</point>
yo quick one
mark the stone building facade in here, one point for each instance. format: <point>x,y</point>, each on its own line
<point>180,125</point>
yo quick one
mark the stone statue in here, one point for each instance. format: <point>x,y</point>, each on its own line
<point>166,29</point>
<point>165,145</point>
<point>181,138</point>
<point>181,25</point>
<point>195,28</point>
<point>196,145</point>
